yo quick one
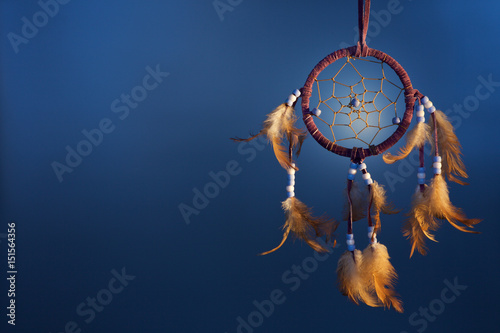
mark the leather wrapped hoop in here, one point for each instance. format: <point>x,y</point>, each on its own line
<point>358,154</point>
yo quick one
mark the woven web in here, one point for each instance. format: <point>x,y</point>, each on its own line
<point>378,89</point>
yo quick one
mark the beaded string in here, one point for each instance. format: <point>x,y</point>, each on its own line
<point>425,102</point>
<point>290,188</point>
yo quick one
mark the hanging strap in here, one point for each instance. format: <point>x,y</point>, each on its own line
<point>363,20</point>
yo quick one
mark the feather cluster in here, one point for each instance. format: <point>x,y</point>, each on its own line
<point>379,204</point>
<point>301,223</point>
<point>428,206</point>
<point>369,277</point>
<point>351,280</point>
<point>449,149</point>
<point>440,206</point>
<point>419,223</point>
<point>381,276</point>
<point>415,138</point>
<point>278,126</point>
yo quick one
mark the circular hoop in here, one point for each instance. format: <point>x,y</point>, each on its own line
<point>355,153</point>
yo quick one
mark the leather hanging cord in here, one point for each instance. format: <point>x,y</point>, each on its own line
<point>349,219</point>
<point>363,20</point>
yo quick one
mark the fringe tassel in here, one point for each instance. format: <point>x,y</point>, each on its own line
<point>303,225</point>
<point>440,206</point>
<point>449,149</point>
<point>351,280</point>
<point>415,138</point>
<point>379,203</point>
<point>358,199</point>
<point>281,123</point>
<point>380,275</point>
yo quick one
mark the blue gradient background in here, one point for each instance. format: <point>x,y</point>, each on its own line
<point>120,207</point>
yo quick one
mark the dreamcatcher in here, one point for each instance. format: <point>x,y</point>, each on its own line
<point>365,88</point>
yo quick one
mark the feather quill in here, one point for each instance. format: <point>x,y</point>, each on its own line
<point>449,148</point>
<point>351,279</point>
<point>280,124</point>
<point>415,138</point>
<point>301,223</point>
<point>380,275</point>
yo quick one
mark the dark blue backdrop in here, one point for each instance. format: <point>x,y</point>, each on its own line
<point>147,94</point>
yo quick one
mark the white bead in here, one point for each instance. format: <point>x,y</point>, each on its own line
<point>296,92</point>
<point>368,181</point>
<point>420,113</point>
<point>291,182</point>
<point>421,175</point>
<point>437,158</point>
<point>352,171</point>
<point>316,112</point>
<point>291,171</point>
<point>350,242</point>
<point>290,100</point>
<point>437,165</point>
<point>366,176</point>
<point>428,105</point>
<point>420,107</point>
<point>362,166</point>
<point>290,188</point>
<point>432,109</point>
<point>425,99</point>
<point>374,241</point>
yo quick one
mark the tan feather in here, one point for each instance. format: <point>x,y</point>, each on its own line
<point>281,153</point>
<point>380,275</point>
<point>440,206</point>
<point>351,280</point>
<point>379,204</point>
<point>449,149</point>
<point>303,225</point>
<point>297,136</point>
<point>358,198</point>
<point>415,138</point>
<point>420,223</point>
<point>280,124</point>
